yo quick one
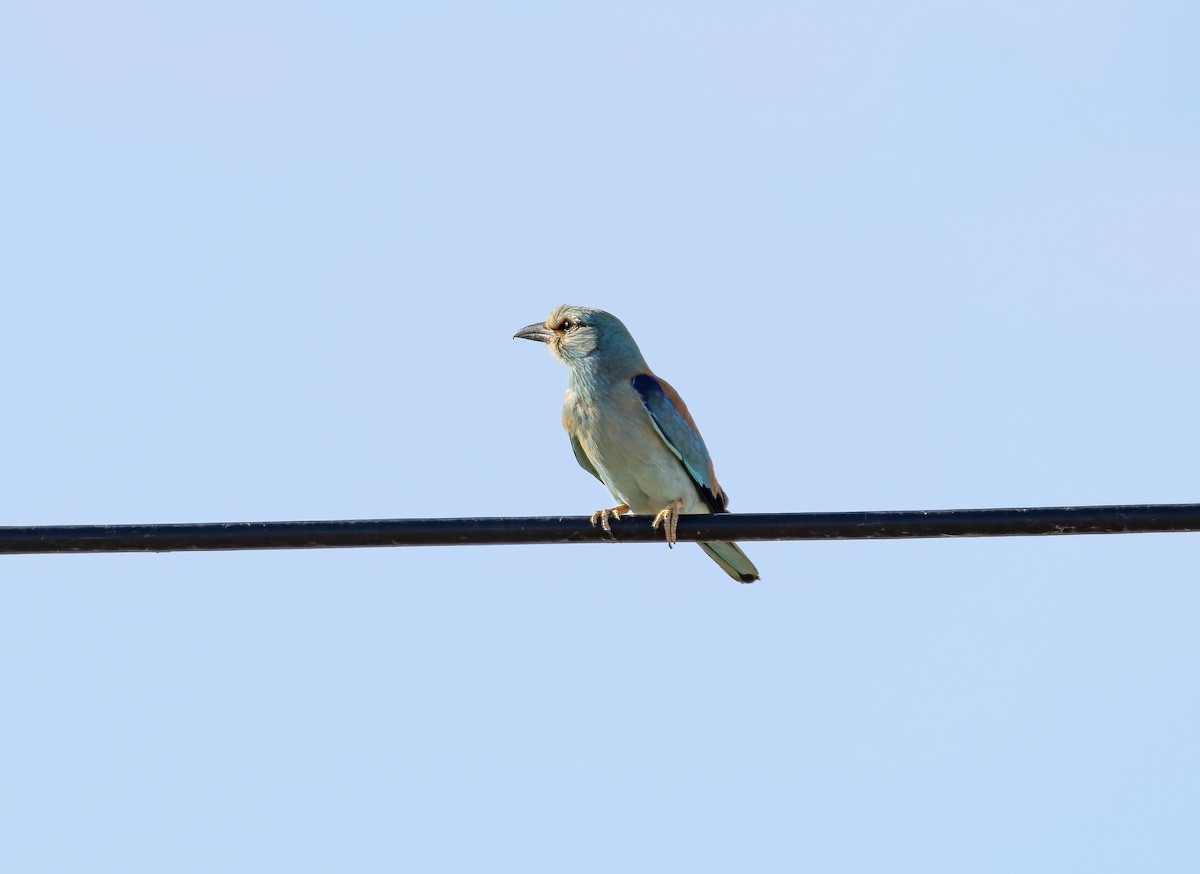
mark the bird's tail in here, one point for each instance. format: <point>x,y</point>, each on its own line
<point>732,560</point>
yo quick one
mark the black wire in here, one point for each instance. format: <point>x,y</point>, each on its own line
<point>1134,518</point>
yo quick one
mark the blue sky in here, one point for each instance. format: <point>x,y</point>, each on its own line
<point>264,261</point>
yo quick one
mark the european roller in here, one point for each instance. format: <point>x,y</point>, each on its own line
<point>632,431</point>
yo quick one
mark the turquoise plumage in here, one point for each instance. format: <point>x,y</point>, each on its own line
<point>632,431</point>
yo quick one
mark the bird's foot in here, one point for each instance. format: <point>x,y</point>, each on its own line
<point>668,517</point>
<point>602,516</point>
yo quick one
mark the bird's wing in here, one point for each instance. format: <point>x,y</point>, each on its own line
<point>675,426</point>
<point>581,457</point>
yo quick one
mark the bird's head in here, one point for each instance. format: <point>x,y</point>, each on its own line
<point>582,336</point>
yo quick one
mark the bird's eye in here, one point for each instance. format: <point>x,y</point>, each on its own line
<point>566,325</point>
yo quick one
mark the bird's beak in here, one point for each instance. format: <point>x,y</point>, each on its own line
<point>536,331</point>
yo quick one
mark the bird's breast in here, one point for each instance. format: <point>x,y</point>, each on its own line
<point>631,458</point>
<point>578,415</point>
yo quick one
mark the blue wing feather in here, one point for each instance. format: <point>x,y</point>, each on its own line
<point>581,457</point>
<point>681,438</point>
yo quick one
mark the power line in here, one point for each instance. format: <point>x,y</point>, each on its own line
<point>886,524</point>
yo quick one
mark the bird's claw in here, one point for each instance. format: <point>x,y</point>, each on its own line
<point>668,517</point>
<point>602,516</point>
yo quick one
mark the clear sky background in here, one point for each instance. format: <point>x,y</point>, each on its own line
<point>263,261</point>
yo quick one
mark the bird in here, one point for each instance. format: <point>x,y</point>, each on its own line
<point>632,431</point>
